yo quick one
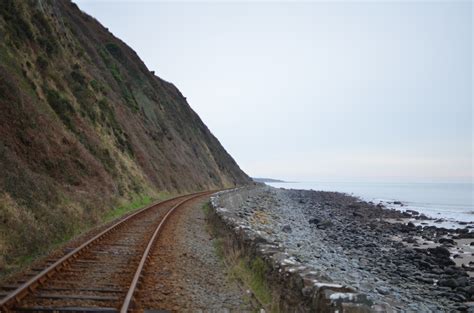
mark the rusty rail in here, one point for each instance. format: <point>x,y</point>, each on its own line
<point>32,284</point>
<point>133,286</point>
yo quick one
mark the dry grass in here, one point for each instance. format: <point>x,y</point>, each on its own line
<point>259,217</point>
<point>25,237</point>
<point>20,232</point>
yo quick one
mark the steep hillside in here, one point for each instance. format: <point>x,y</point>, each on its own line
<point>84,125</point>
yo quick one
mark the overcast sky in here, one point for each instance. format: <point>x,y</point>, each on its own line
<point>377,91</point>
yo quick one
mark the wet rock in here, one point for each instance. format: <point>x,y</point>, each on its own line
<point>439,251</point>
<point>447,241</point>
<point>354,206</point>
<point>469,290</point>
<point>458,297</point>
<point>425,265</point>
<point>425,280</point>
<point>450,270</point>
<point>411,240</point>
<point>452,283</point>
<point>462,281</point>
<point>466,235</point>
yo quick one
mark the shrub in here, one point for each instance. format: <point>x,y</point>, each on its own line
<point>114,70</point>
<point>105,56</point>
<point>61,106</point>
<point>79,78</point>
<point>96,86</point>
<point>39,19</point>
<point>48,45</point>
<point>42,63</point>
<point>115,51</point>
<point>4,88</point>
<point>19,226</point>
<point>16,24</point>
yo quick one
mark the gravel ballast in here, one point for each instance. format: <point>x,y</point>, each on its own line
<point>185,273</point>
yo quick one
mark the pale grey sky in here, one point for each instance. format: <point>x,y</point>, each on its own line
<point>317,90</point>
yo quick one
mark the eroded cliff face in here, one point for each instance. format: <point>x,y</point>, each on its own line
<point>84,124</point>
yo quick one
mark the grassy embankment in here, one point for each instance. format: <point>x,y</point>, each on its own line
<point>77,229</point>
<point>251,273</point>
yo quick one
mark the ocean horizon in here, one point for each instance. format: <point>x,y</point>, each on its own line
<point>449,201</point>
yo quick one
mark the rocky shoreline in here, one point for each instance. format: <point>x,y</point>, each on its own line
<point>379,252</point>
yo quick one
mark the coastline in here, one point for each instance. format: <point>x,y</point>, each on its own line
<point>426,198</point>
<point>376,250</point>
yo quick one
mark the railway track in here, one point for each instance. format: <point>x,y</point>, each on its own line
<point>101,275</point>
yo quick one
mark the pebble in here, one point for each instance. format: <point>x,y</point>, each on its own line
<point>350,241</point>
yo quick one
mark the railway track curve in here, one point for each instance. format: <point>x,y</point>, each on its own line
<point>102,274</point>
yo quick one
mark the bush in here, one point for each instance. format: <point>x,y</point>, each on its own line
<point>61,106</point>
<point>4,88</point>
<point>21,232</point>
<point>79,78</point>
<point>97,86</point>
<point>16,24</point>
<point>40,20</point>
<point>42,63</point>
<point>114,70</point>
<point>48,45</point>
<point>115,51</point>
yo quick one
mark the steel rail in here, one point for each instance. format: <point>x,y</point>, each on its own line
<point>133,286</point>
<point>29,286</point>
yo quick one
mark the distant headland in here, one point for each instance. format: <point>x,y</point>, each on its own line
<point>267,180</point>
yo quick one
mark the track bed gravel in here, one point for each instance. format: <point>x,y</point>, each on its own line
<point>185,274</point>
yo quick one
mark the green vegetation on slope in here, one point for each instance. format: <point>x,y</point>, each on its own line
<point>85,126</point>
<point>30,237</point>
<point>139,201</point>
<point>252,274</point>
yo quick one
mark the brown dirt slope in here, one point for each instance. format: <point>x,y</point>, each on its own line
<point>83,125</point>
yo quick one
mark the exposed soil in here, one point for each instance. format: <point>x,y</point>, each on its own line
<point>185,273</point>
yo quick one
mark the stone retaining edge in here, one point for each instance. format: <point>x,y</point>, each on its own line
<point>298,287</point>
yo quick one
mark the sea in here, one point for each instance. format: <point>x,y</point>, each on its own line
<point>451,202</point>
